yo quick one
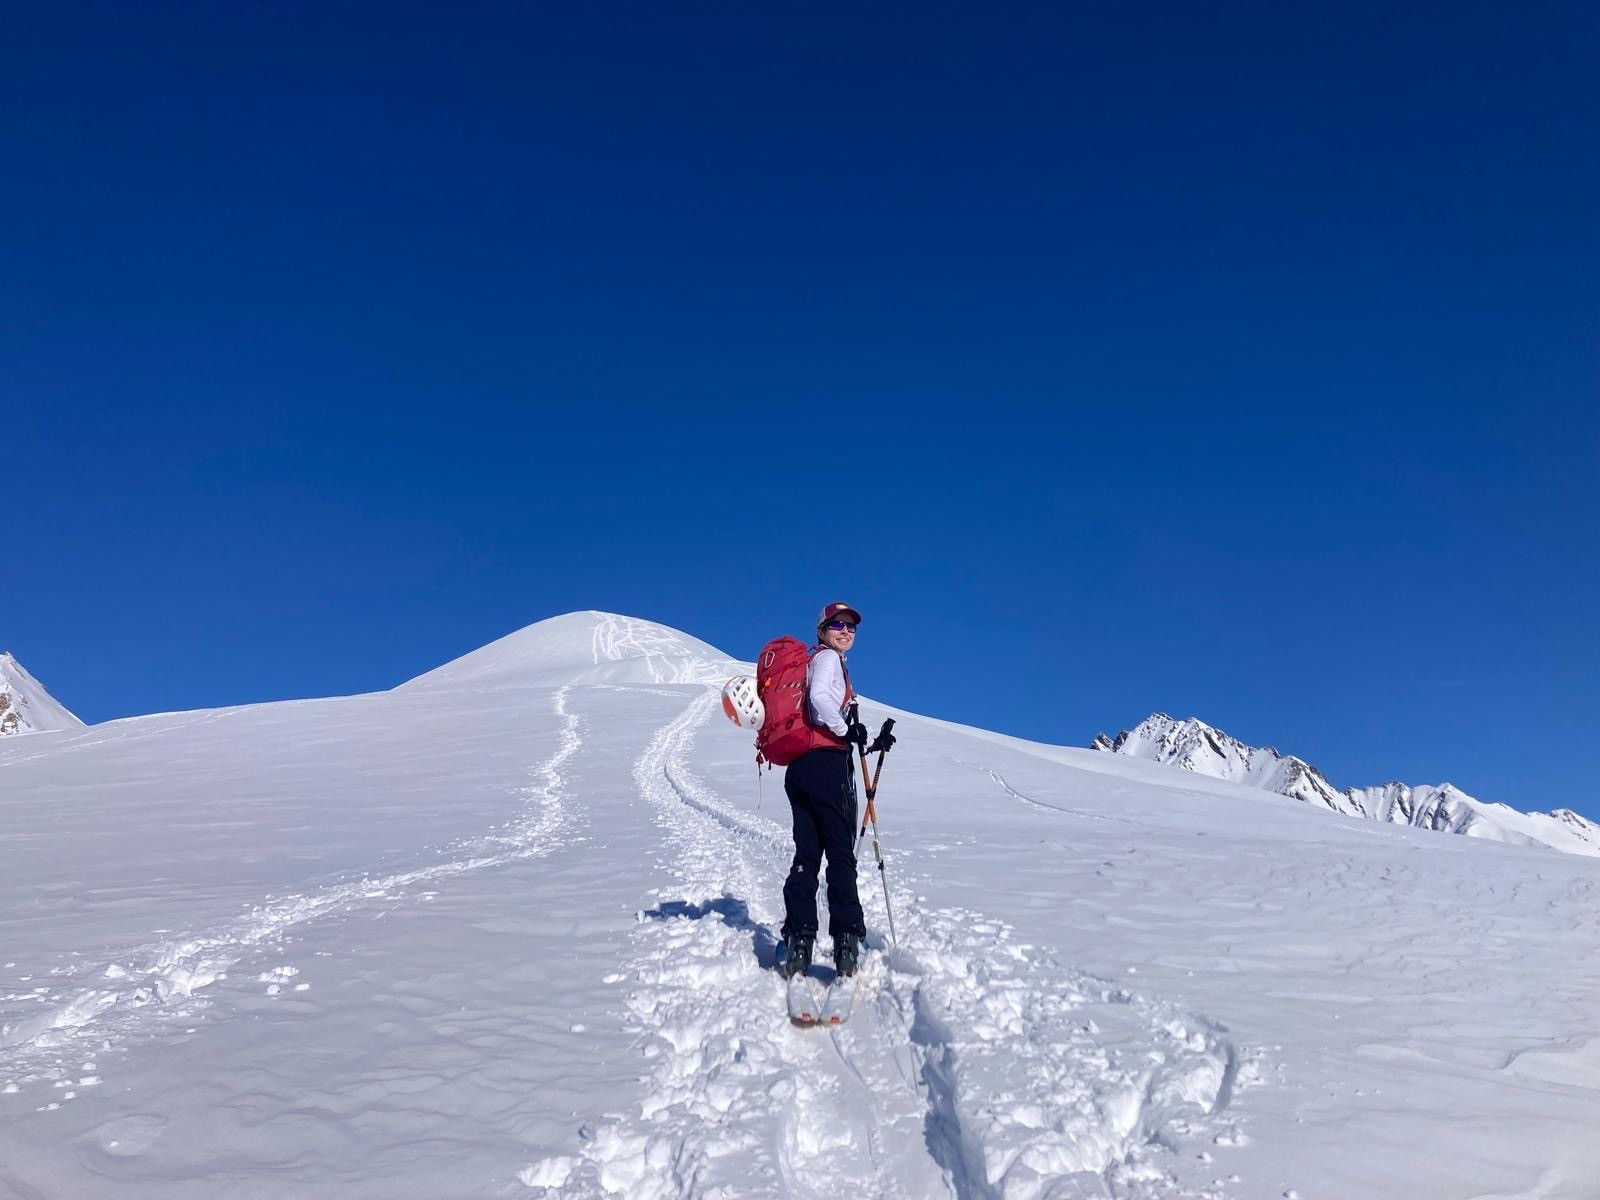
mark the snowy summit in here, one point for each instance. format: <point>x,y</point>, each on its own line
<point>509,930</point>
<point>1195,746</point>
<point>25,707</point>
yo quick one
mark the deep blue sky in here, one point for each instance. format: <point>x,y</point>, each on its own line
<point>1238,361</point>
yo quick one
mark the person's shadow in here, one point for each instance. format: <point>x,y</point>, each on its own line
<point>732,912</point>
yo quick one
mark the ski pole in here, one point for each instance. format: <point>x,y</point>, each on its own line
<point>884,876</point>
<point>872,817</point>
<point>887,725</point>
<point>867,781</point>
<point>871,813</point>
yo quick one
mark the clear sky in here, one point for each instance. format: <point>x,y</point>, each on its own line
<point>1234,361</point>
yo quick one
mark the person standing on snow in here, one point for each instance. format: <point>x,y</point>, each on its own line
<point>821,788</point>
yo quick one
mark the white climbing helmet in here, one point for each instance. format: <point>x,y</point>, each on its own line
<point>742,704</point>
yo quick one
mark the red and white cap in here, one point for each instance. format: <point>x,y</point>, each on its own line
<point>834,611</point>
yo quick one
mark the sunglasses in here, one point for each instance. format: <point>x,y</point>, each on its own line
<point>840,626</point>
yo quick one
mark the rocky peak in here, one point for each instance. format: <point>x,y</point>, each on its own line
<point>25,706</point>
<point>1196,746</point>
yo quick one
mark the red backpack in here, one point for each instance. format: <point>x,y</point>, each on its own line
<point>781,683</point>
<point>786,733</point>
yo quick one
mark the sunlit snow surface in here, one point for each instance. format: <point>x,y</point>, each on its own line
<point>507,931</point>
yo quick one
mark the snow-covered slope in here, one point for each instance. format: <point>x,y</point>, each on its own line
<point>1196,746</point>
<point>508,930</point>
<point>25,707</point>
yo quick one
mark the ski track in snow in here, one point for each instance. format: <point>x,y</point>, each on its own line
<point>722,1067</point>
<point>162,980</point>
<point>1043,806</point>
<point>974,1065</point>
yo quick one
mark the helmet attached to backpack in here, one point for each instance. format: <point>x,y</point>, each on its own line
<point>742,703</point>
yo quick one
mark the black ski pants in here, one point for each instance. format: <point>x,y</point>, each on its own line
<point>822,796</point>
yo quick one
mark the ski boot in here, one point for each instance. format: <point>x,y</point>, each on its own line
<point>846,954</point>
<point>794,956</point>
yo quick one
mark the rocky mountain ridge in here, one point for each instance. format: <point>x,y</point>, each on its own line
<point>25,705</point>
<point>1195,746</point>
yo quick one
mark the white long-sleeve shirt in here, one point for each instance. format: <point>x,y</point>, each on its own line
<point>825,690</point>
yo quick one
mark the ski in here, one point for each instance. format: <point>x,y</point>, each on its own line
<point>812,1002</point>
<point>838,1001</point>
<point>806,998</point>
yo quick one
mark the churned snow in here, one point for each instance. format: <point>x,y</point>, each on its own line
<point>508,930</point>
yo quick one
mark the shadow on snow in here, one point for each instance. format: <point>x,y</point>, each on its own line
<point>734,913</point>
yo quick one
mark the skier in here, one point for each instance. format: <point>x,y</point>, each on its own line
<point>821,788</point>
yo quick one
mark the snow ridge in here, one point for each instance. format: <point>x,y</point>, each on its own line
<point>25,706</point>
<point>1198,747</point>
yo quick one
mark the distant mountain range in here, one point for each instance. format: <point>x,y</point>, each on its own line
<point>1195,746</point>
<point>25,707</point>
